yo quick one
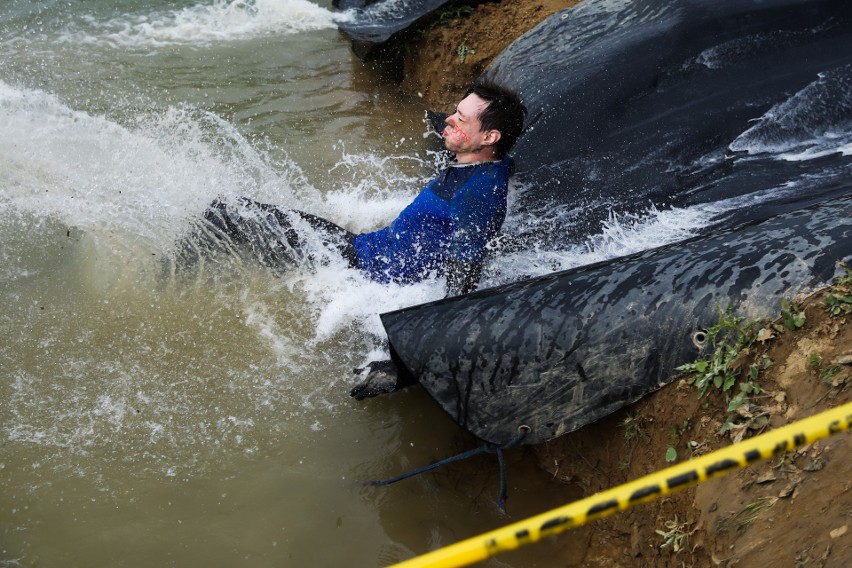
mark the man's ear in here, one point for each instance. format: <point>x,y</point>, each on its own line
<point>492,137</point>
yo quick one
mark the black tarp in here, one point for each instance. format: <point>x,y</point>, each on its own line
<point>557,352</point>
<point>373,23</point>
<point>657,103</point>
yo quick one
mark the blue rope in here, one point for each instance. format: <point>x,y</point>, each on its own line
<point>485,448</point>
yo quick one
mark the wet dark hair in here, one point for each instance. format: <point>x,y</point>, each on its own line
<point>505,112</point>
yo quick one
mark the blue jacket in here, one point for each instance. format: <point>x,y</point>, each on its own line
<point>454,217</point>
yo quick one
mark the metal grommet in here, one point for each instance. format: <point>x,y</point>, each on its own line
<point>699,338</point>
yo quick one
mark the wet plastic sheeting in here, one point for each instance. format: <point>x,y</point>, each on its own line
<point>561,351</point>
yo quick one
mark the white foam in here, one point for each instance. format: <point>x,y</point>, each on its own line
<point>354,302</point>
<point>205,23</point>
<point>385,10</point>
<point>374,188</point>
<point>625,234</point>
<point>812,123</point>
<point>620,235</point>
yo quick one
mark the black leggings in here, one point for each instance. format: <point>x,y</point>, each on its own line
<point>269,232</point>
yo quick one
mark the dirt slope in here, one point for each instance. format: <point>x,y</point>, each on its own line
<point>442,63</point>
<point>791,511</point>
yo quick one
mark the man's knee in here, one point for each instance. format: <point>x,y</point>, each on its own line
<point>218,215</point>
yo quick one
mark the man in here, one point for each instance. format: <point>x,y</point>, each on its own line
<point>444,231</point>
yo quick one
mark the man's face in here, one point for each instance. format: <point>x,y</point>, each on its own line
<point>463,134</point>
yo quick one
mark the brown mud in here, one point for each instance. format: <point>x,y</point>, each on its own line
<point>795,510</point>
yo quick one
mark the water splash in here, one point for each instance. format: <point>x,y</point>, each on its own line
<point>621,234</point>
<point>812,123</point>
<point>202,24</point>
<point>112,356</point>
<point>96,174</point>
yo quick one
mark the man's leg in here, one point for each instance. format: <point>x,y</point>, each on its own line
<point>338,237</point>
<point>269,232</point>
<point>258,228</point>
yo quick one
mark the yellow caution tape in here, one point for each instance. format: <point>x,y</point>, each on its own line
<point>642,490</point>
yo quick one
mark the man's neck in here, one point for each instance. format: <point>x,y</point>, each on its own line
<point>487,154</point>
<point>471,164</point>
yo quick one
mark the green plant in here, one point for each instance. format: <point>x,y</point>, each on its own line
<point>675,535</point>
<point>747,389</point>
<point>746,515</point>
<point>827,375</point>
<point>454,13</point>
<point>814,360</point>
<point>740,401</point>
<point>632,431</point>
<point>671,451</point>
<point>838,302</point>
<point>844,281</point>
<point>792,314</point>
<point>727,338</point>
<point>464,50</point>
<point>443,17</point>
<point>836,305</point>
<point>751,511</point>
<point>671,454</point>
